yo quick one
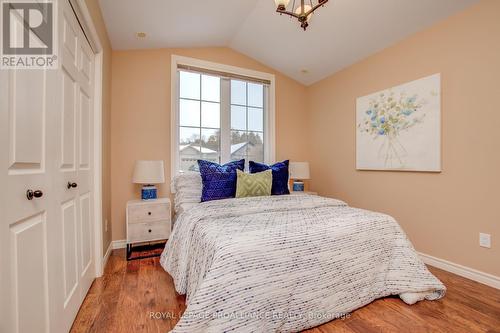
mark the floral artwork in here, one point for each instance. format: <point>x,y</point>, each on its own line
<point>399,128</point>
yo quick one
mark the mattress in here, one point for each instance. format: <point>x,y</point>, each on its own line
<point>287,263</point>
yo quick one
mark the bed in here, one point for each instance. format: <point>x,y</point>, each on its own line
<point>287,263</point>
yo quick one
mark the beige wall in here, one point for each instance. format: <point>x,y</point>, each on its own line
<point>140,116</point>
<point>95,12</point>
<point>442,213</point>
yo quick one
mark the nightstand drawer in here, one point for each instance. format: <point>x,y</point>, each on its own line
<point>143,232</point>
<point>148,212</point>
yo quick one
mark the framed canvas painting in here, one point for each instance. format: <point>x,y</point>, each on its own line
<point>400,128</point>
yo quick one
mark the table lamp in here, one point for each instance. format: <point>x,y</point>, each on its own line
<point>299,171</point>
<point>149,173</point>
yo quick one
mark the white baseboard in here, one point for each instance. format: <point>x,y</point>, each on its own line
<point>119,244</point>
<point>467,272</point>
<point>106,256</point>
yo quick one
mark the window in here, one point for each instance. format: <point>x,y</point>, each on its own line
<point>199,119</point>
<point>220,117</point>
<point>247,121</point>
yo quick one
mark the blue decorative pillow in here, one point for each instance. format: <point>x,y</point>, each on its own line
<point>219,181</point>
<point>280,175</point>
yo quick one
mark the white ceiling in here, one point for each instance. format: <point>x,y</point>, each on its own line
<point>340,34</point>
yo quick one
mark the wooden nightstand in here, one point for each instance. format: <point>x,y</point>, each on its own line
<point>147,221</point>
<point>303,192</point>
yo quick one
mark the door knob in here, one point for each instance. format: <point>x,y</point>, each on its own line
<point>30,194</point>
<point>70,185</point>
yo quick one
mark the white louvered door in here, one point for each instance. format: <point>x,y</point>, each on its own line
<point>46,142</point>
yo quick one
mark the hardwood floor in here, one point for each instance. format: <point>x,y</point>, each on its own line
<point>124,299</point>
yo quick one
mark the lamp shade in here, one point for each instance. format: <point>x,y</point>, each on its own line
<point>299,170</point>
<point>148,172</point>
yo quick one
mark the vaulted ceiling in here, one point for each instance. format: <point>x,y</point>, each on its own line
<point>340,34</point>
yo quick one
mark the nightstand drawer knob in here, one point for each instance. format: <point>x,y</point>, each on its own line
<point>149,213</point>
<point>149,230</point>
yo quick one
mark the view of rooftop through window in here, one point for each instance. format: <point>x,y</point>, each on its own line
<point>201,132</point>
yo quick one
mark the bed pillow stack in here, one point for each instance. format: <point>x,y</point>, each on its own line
<point>229,180</point>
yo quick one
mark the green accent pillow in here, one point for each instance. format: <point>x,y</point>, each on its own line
<point>253,184</point>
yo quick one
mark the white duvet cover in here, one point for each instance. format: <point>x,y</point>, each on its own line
<point>287,263</point>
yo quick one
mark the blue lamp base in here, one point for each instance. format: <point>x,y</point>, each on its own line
<point>149,192</point>
<point>298,186</point>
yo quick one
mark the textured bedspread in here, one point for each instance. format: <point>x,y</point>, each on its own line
<point>286,263</point>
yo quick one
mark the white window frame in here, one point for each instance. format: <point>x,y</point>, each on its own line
<point>269,115</point>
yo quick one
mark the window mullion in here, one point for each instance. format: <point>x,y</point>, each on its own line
<point>267,130</point>
<point>225,120</point>
<point>247,132</point>
<point>201,116</point>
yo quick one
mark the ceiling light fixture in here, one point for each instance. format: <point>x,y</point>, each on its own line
<point>302,12</point>
<point>141,35</point>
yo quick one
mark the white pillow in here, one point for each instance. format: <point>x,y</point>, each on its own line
<point>187,188</point>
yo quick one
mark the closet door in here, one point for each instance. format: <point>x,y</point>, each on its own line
<point>73,173</point>
<point>28,224</point>
<point>85,165</point>
<point>46,144</point>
